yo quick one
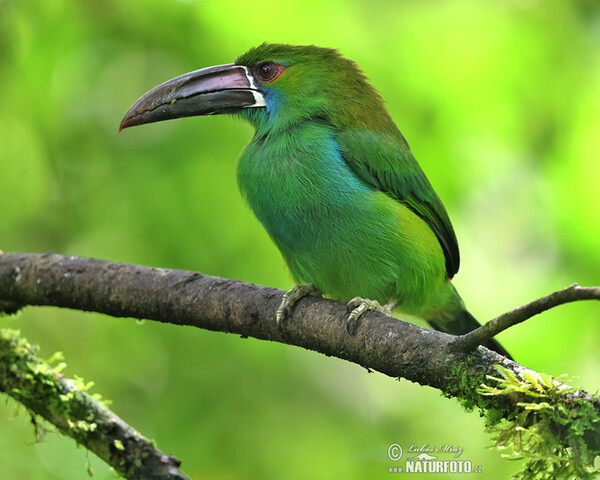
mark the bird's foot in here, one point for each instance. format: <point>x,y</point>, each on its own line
<point>357,306</point>
<point>292,296</point>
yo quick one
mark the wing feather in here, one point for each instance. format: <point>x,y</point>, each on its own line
<point>386,163</point>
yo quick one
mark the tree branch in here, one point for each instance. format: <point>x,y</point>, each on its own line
<point>180,297</point>
<point>66,404</point>
<point>381,343</point>
<point>481,335</point>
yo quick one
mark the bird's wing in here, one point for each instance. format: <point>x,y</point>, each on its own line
<point>386,163</point>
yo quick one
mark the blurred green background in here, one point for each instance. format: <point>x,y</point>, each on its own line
<point>500,102</point>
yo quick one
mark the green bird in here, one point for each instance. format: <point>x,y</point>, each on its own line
<point>332,180</point>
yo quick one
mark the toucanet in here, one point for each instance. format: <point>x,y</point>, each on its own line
<point>331,179</point>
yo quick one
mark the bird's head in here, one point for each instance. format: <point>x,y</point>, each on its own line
<point>273,86</point>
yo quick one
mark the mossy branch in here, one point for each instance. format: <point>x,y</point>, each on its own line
<point>65,403</point>
<point>396,348</point>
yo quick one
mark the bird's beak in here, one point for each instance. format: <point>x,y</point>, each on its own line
<point>209,91</point>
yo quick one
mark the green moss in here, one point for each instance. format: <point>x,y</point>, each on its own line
<point>118,445</point>
<point>463,384</point>
<point>553,427</point>
<point>42,387</point>
<point>544,421</point>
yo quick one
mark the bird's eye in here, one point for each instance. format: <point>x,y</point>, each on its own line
<point>268,71</point>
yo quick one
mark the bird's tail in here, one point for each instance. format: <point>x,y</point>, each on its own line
<point>456,320</point>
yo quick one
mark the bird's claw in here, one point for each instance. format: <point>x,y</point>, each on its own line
<point>290,298</point>
<point>357,306</point>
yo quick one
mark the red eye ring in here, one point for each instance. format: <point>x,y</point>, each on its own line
<point>266,72</point>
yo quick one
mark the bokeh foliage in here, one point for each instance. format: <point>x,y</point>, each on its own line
<point>500,101</point>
